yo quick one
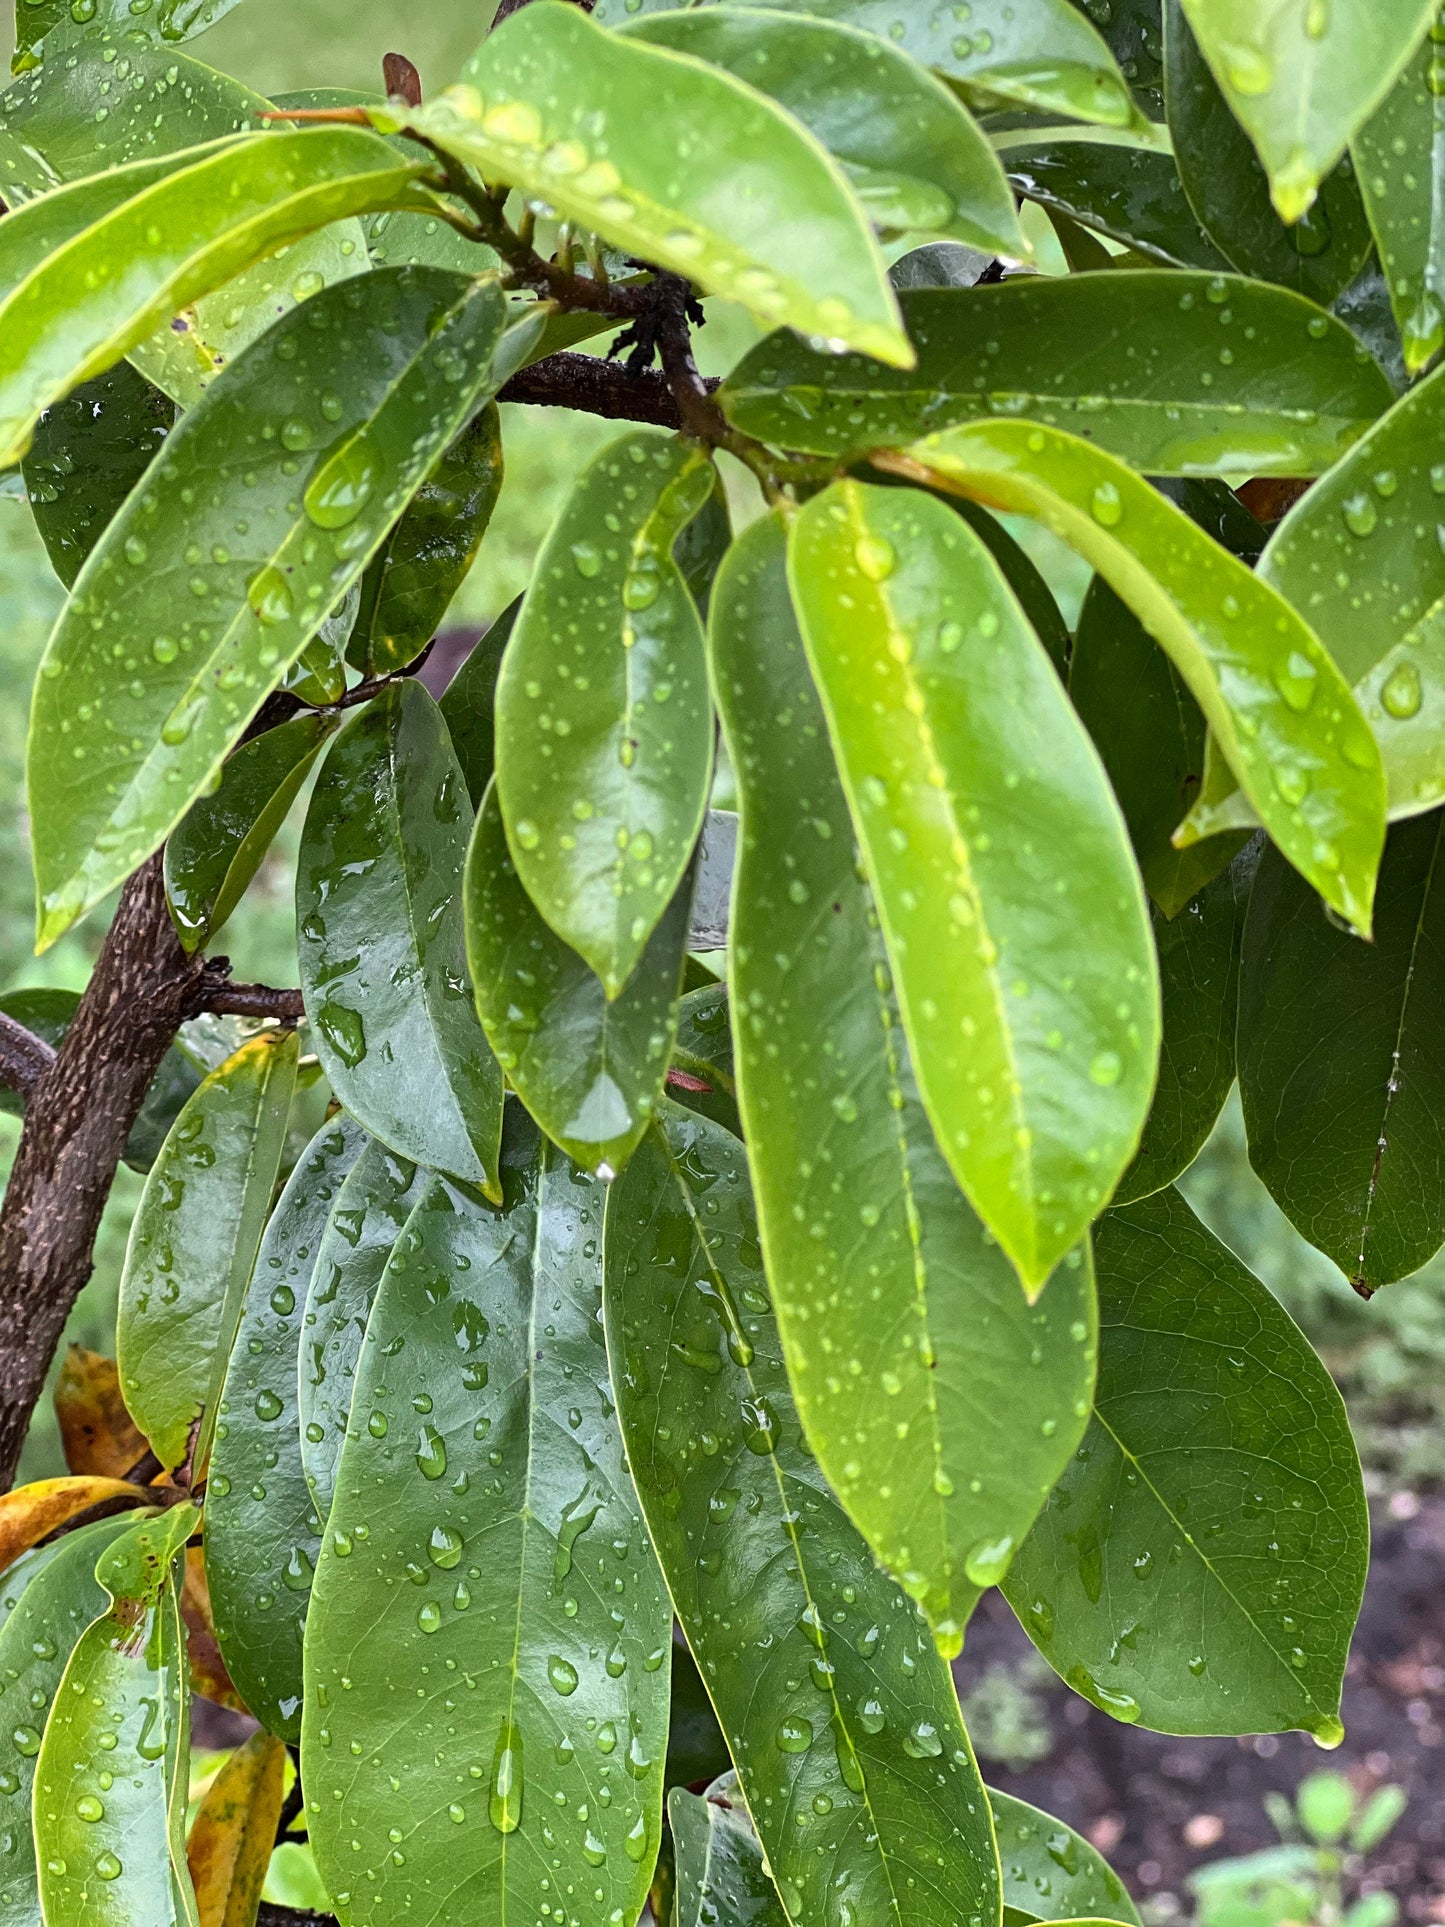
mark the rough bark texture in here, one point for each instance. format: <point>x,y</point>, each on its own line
<point>596,387</point>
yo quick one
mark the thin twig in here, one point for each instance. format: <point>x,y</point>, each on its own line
<point>24,1057</point>
<point>253,1000</point>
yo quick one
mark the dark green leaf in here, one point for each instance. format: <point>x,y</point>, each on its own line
<point>469,704</point>
<point>1119,361</point>
<point>485,1539</point>
<point>589,1071</point>
<point>703,544</point>
<point>721,1875</point>
<point>704,1054</point>
<point>604,730</point>
<point>825,1680</point>
<point>1135,37</point>
<point>262,1533</point>
<point>1049,1871</point>
<point>1033,1029</point>
<point>382,943</point>
<point>1339,1067</point>
<point>1199,1566</point>
<point>193,1243</point>
<point>1398,153</point>
<point>1133,194</point>
<point>89,452</point>
<point>696,1749</point>
<point>413,576</point>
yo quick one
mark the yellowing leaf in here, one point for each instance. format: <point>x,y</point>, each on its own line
<point>232,1835</point>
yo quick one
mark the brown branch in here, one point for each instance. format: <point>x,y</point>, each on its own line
<point>273,1916</point>
<point>24,1057</point>
<point>226,999</point>
<point>595,387</point>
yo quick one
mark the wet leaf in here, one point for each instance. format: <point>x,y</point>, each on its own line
<point>823,1674</point>
<point>1345,1111</point>
<point>381,939</point>
<point>704,1054</point>
<point>720,1871</point>
<point>193,1243</point>
<point>31,1513</point>
<point>97,1433</point>
<point>1033,1030</point>
<point>222,840</point>
<point>1199,1566</point>
<point>364,388</point>
<point>1273,698</point>
<point>502,1547</point>
<point>1049,1871</point>
<point>169,23</point>
<point>604,730</point>
<point>589,1071</point>
<point>915,156</point>
<point>1132,194</point>
<point>232,1835</point>
<point>262,1531</point>
<point>469,702</point>
<point>1032,593</point>
<point>1397,154</point>
<point>111,1776</point>
<point>421,564</point>
<point>1177,374</point>
<point>1132,32</point>
<point>549,104</point>
<point>941,1406</point>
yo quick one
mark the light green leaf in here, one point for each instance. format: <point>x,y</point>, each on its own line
<point>111,1776</point>
<point>604,732</point>
<point>1117,360</point>
<point>1346,1116</point>
<point>469,703</point>
<point>169,23</point>
<point>193,1243</point>
<point>974,790</point>
<point>941,1406</point>
<point>826,1683</point>
<point>1133,195</point>
<point>1049,1871</point>
<point>720,1872</point>
<point>1301,79</point>
<point>363,399</point>
<point>491,1549</point>
<point>262,1533</point>
<point>589,1071</point>
<point>549,103</point>
<point>1270,692</point>
<point>1398,154</point>
<point>1200,1565</point>
<point>914,154</point>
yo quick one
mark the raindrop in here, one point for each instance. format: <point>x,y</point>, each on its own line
<point>1361,515</point>
<point>794,1734</point>
<point>342,486</point>
<point>269,595</point>
<point>1106,505</point>
<point>562,1675</point>
<point>431,1453</point>
<point>1401,693</point>
<point>445,1547</point>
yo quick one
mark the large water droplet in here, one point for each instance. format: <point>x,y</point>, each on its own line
<point>344,483</point>
<point>562,1674</point>
<point>269,594</point>
<point>1401,694</point>
<point>431,1453</point>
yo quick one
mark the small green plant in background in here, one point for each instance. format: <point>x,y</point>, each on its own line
<point>1325,1834</point>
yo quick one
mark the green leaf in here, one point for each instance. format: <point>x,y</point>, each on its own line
<point>1032,593</point>
<point>549,103</point>
<point>1132,194</point>
<point>1117,360</point>
<point>89,452</point>
<point>1049,1871</point>
<point>169,23</point>
<point>940,1404</point>
<point>1346,1116</point>
<point>59,1600</point>
<point>469,704</point>
<point>111,1776</point>
<point>589,1071</point>
<point>1229,191</point>
<point>1397,154</point>
<point>696,1749</point>
<point>914,154</point>
<point>262,1532</point>
<point>700,548</point>
<point>362,390</point>
<point>413,576</point>
<point>218,846</point>
<point>825,1680</point>
<point>704,1054</point>
<point>604,731</point>
<point>381,939</point>
<point>1034,1028</point>
<point>1301,81</point>
<point>1271,694</point>
<point>721,1875</point>
<point>193,1243</point>
<point>1200,1565</point>
<point>1133,35</point>
<point>366,1220</point>
<point>491,1549</point>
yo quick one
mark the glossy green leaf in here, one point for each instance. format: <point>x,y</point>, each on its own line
<point>1271,694</point>
<point>1339,1069</point>
<point>262,1533</point>
<point>1031,592</point>
<point>59,1599</point>
<point>1228,189</point>
<point>1050,1872</point>
<point>469,704</point>
<point>170,22</point>
<point>193,1243</point>
<point>1301,80</point>
<point>112,1772</point>
<point>363,388</point>
<point>604,730</point>
<point>413,576</point>
<point>381,939</point>
<point>825,1680</point>
<point>589,1071</point>
<point>221,841</point>
<point>703,1054</point>
<point>940,1404</point>
<point>914,155</point>
<point>485,1538</point>
<point>1133,34</point>
<point>700,548</point>
<point>1132,194</point>
<point>366,1220</point>
<point>1398,153</point>
<point>972,784</point>
<point>1120,361</point>
<point>721,1875</point>
<point>1200,1565</point>
<point>549,103</point>
<point>89,452</point>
